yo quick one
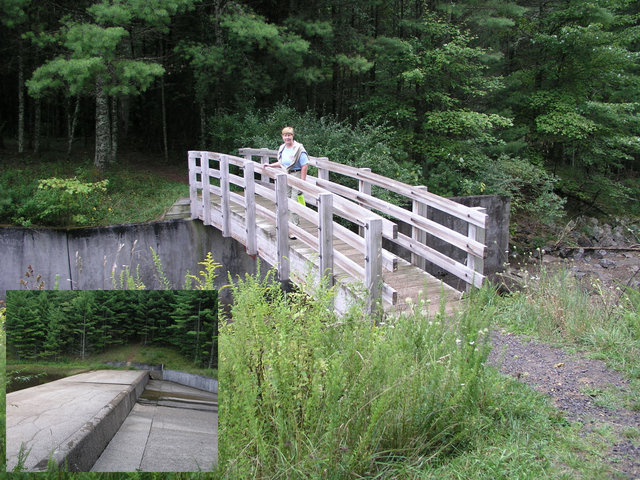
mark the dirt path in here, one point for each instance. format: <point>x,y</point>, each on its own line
<point>133,353</point>
<point>573,383</point>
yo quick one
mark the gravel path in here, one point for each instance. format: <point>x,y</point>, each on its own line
<point>571,381</point>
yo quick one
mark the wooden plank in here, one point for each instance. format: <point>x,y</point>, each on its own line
<point>419,235</point>
<point>224,189</point>
<point>325,233</point>
<point>411,192</point>
<point>373,262</point>
<point>476,263</point>
<point>449,264</point>
<point>206,190</point>
<point>343,207</point>
<point>250,209</point>
<point>282,227</point>
<point>429,226</point>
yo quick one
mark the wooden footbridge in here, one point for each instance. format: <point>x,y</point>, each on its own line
<point>340,236</point>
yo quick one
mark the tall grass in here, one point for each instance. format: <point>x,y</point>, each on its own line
<point>305,393</point>
<point>553,305</point>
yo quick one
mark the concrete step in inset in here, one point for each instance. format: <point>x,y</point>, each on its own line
<point>172,428</point>
<point>69,420</point>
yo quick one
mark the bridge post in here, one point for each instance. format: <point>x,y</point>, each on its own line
<point>225,205</point>
<point>373,263</point>
<point>364,187</point>
<point>206,188</point>
<point>250,207</point>
<point>282,227</point>
<point>325,232</point>
<point>264,159</point>
<point>418,234</point>
<point>476,263</point>
<point>323,173</point>
<point>193,182</point>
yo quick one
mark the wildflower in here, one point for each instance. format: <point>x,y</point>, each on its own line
<point>458,341</point>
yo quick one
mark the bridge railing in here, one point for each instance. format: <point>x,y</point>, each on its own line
<point>215,190</point>
<point>471,245</point>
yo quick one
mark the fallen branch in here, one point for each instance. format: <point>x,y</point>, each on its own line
<point>630,248</point>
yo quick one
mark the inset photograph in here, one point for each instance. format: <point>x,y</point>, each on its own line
<point>111,381</point>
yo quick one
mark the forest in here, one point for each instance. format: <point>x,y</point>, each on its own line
<point>50,325</point>
<point>538,100</point>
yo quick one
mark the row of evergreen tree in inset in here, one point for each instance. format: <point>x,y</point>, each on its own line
<point>54,324</point>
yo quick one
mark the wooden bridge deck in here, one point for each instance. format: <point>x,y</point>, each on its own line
<point>412,284</point>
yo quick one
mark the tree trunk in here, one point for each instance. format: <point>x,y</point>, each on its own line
<point>213,347</point>
<point>164,121</point>
<point>20,101</point>
<point>72,125</point>
<point>203,126</point>
<point>113,154</point>
<point>103,142</point>
<point>36,126</point>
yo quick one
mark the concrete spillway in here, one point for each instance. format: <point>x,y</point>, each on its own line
<point>75,421</point>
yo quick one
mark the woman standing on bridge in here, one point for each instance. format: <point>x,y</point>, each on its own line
<point>293,159</point>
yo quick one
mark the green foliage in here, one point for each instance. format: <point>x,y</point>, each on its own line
<point>12,12</point>
<point>156,13</point>
<point>207,276</point>
<point>600,194</point>
<point>554,306</point>
<point>62,201</point>
<point>530,188</point>
<point>55,325</point>
<point>309,392</point>
<point>584,59</point>
<point>360,146</point>
<point>75,196</point>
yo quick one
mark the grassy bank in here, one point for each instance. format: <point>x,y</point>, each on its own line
<point>80,195</point>
<point>553,306</point>
<point>151,355</point>
<point>309,395</point>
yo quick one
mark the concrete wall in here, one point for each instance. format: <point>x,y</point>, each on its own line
<point>92,258</point>
<point>498,210</point>
<point>191,380</point>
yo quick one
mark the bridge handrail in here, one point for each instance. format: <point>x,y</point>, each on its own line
<point>472,243</point>
<point>417,193</point>
<point>201,207</point>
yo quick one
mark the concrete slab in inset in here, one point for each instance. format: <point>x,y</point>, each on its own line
<point>173,428</point>
<point>70,420</point>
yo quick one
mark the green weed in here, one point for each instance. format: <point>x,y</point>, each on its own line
<point>556,307</point>
<point>63,192</point>
<point>309,394</point>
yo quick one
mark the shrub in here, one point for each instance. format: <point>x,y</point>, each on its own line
<point>360,146</point>
<point>62,201</point>
<point>308,394</point>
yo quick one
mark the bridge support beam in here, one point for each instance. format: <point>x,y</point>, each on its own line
<point>225,204</point>
<point>419,235</point>
<point>325,236</point>
<point>373,263</point>
<point>476,263</point>
<point>250,206</point>
<point>282,227</point>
